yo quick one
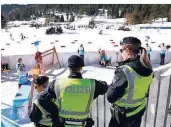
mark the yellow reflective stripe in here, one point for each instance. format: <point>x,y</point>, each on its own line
<point>137,110</point>
<point>57,92</point>
<point>131,101</point>
<point>55,89</point>
<point>44,121</point>
<point>130,78</point>
<point>40,107</point>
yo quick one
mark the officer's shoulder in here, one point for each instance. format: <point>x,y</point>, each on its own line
<point>54,81</point>
<point>119,69</point>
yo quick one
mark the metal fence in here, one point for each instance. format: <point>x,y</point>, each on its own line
<point>159,98</point>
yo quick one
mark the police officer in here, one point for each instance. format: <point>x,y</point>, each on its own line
<point>38,115</point>
<point>73,96</point>
<point>162,53</point>
<point>148,49</point>
<point>129,88</point>
<point>81,51</point>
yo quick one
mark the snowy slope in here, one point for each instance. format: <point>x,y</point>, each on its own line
<point>79,36</point>
<point>26,49</point>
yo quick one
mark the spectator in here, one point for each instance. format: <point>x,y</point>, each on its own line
<point>102,57</point>
<point>104,61</point>
<point>4,66</point>
<point>81,51</point>
<point>22,76</point>
<point>39,60</point>
<point>19,62</point>
<point>162,53</point>
<point>148,49</point>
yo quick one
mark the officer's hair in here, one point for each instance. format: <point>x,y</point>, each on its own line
<point>137,50</point>
<point>76,69</point>
<point>144,58</point>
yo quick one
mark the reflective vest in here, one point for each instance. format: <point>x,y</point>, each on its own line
<point>135,93</point>
<point>74,97</point>
<point>44,121</point>
<point>81,51</point>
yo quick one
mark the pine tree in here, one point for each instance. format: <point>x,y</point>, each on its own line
<point>67,16</point>
<point>169,16</point>
<point>3,22</point>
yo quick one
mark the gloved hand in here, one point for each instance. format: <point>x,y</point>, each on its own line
<point>89,122</point>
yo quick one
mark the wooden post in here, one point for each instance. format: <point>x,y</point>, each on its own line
<point>49,52</point>
<point>57,57</point>
<point>53,56</point>
<point>31,98</point>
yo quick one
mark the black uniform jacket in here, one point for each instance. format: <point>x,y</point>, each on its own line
<point>117,89</point>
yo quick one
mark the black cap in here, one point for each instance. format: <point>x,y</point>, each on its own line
<point>75,61</point>
<point>41,80</point>
<point>130,40</point>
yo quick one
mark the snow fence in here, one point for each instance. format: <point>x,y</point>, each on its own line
<point>89,58</point>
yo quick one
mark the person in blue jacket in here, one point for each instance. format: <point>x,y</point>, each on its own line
<point>162,53</point>
<point>81,51</point>
<point>23,76</point>
<point>148,49</point>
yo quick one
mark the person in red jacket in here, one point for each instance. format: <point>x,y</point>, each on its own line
<point>39,60</point>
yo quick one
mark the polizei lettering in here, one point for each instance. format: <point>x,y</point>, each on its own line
<point>77,89</point>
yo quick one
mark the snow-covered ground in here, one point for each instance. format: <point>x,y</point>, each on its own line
<point>79,36</point>
<point>26,51</point>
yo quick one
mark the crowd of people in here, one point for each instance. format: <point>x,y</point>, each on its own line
<point>163,50</point>
<point>103,60</point>
<point>67,101</point>
<point>21,35</point>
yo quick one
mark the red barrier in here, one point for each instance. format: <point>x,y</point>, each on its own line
<point>89,42</point>
<point>73,42</point>
<point>113,42</point>
<point>115,45</point>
